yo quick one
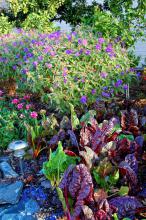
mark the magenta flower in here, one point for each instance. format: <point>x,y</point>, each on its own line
<point>26,97</point>
<point>20,106</point>
<point>28,106</point>
<point>103,74</point>
<point>1,92</point>
<point>15,101</point>
<point>33,114</point>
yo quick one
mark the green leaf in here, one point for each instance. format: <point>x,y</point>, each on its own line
<point>123,190</point>
<point>130,137</point>
<point>114,178</point>
<point>74,119</point>
<point>57,164</point>
<point>115,216</point>
<point>61,197</point>
<point>86,118</point>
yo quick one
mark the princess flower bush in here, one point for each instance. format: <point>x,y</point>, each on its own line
<point>65,68</point>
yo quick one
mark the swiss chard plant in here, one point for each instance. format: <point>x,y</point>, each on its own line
<point>57,164</point>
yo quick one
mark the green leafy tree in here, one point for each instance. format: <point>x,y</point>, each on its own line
<point>118,18</point>
<point>33,14</point>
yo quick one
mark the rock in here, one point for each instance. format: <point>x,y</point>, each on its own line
<point>31,207</point>
<point>10,193</point>
<point>4,159</point>
<point>46,184</point>
<point>7,170</point>
<point>17,217</point>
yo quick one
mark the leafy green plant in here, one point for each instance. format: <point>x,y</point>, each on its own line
<point>8,129</point>
<point>5,26</point>
<point>105,174</point>
<point>58,162</point>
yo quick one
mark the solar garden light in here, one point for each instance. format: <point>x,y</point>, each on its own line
<point>19,147</point>
<point>127,92</point>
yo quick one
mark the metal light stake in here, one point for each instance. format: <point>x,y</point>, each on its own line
<point>127,92</point>
<point>19,151</point>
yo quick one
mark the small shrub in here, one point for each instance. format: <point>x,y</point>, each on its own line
<point>63,68</point>
<point>5,26</point>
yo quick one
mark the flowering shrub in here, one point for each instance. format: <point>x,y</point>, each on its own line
<point>64,68</point>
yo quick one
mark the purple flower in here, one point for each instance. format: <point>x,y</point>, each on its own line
<point>24,71</point>
<point>138,74</point>
<point>93,91</point>
<point>26,50</point>
<point>14,67</point>
<point>68,51</point>
<point>83,99</point>
<point>87,52</point>
<point>35,63</point>
<point>65,80</point>
<point>103,74</point>
<point>77,54</point>
<point>109,49</point>
<point>40,58</point>
<point>117,66</point>
<point>74,33</point>
<point>101,40</point>
<point>105,88</point>
<point>17,56</point>
<point>29,54</point>
<point>125,86</point>
<point>79,41</point>
<point>69,37</point>
<point>118,83</point>
<point>122,73</point>
<point>106,94</point>
<point>98,47</point>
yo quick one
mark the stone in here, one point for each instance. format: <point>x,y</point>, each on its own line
<point>46,184</point>
<point>4,159</point>
<point>31,207</point>
<point>7,170</point>
<point>17,217</point>
<point>10,193</point>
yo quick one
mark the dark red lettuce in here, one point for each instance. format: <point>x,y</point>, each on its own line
<point>126,205</point>
<point>73,138</point>
<point>129,121</point>
<point>129,174</point>
<point>89,157</point>
<point>77,182</point>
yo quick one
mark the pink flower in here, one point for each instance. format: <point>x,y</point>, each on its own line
<point>34,114</point>
<point>20,106</point>
<point>28,106</point>
<point>52,53</point>
<point>84,42</point>
<point>15,101</point>
<point>1,92</point>
<point>49,65</point>
<point>22,116</point>
<point>26,97</point>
